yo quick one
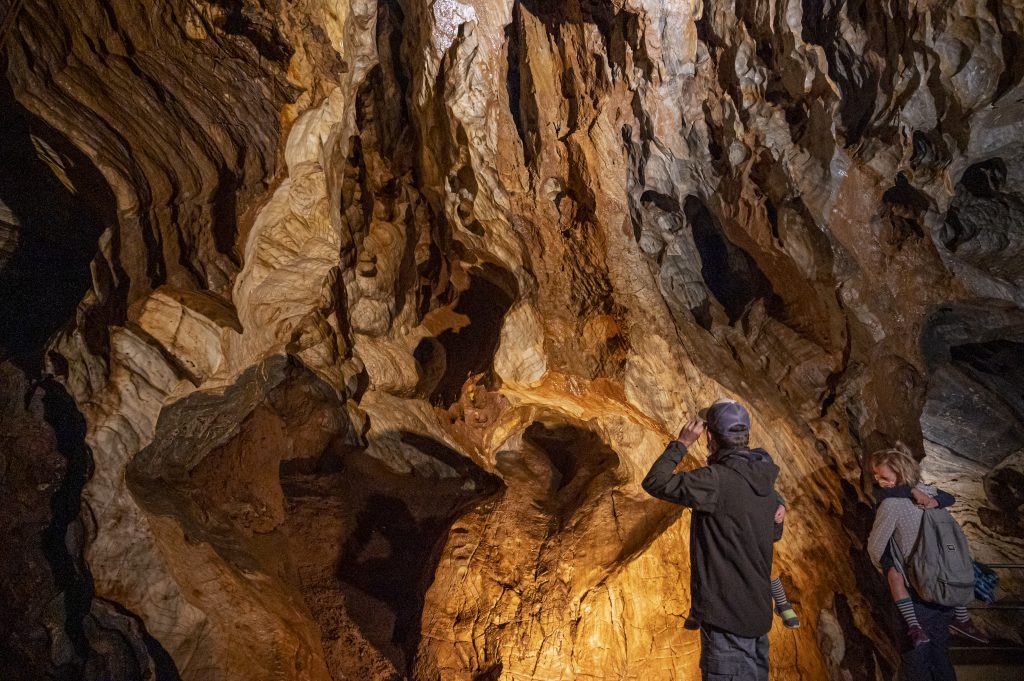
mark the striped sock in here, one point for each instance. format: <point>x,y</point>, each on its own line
<point>779,595</point>
<point>906,608</point>
<point>960,612</point>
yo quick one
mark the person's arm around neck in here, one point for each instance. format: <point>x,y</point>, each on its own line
<point>944,498</point>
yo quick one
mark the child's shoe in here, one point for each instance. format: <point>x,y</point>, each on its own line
<point>917,635</point>
<point>966,628</point>
<point>789,618</point>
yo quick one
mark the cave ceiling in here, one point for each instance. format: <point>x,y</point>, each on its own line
<point>337,337</point>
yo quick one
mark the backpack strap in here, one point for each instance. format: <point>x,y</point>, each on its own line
<point>899,560</point>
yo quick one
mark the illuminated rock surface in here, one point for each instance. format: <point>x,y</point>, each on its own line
<point>368,318</point>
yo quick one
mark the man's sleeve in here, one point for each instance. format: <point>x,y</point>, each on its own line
<point>697,489</point>
<point>777,532</point>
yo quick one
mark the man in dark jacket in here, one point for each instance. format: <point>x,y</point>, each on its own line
<point>731,536</point>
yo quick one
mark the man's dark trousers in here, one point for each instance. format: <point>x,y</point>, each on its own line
<point>930,662</point>
<point>728,657</point>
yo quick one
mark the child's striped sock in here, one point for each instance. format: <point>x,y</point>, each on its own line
<point>779,595</point>
<point>783,606</point>
<point>960,612</point>
<point>906,608</point>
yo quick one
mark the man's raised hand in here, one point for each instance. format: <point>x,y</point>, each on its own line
<point>691,432</point>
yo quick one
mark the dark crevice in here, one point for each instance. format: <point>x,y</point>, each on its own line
<point>903,194</point>
<point>975,400</point>
<point>703,27</point>
<point>466,469</point>
<point>394,575</point>
<point>773,218</point>
<point>129,652</point>
<point>999,366</point>
<point>224,216</point>
<point>382,534</point>
<point>861,661</point>
<point>92,639</point>
<point>857,519</point>
<point>69,571</point>
<point>492,673</point>
<point>984,179</point>
<point>1013,49</point>
<point>664,202</point>
<point>243,20</point>
<point>48,274</point>
<point>470,349</point>
<point>903,208</point>
<point>820,25</point>
<point>930,150</point>
<point>985,222</point>
<point>954,232</point>
<point>1004,488</point>
<point>856,77</point>
<point>583,464</point>
<point>390,34</point>
<point>827,403</point>
<point>730,273</point>
<point>523,112</point>
<point>383,109</point>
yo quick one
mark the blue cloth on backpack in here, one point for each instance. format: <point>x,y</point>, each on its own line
<point>985,582</point>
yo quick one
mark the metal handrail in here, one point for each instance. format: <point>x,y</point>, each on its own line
<point>997,604</point>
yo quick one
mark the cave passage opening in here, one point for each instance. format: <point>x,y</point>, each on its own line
<point>583,463</point>
<point>470,349</point>
<point>730,273</point>
<point>974,405</point>
<point>53,208</point>
<point>984,226</point>
<point>973,425</point>
<point>366,541</point>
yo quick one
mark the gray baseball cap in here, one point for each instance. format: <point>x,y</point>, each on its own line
<point>727,416</point>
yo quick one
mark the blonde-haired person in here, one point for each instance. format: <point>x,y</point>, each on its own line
<point>902,497</point>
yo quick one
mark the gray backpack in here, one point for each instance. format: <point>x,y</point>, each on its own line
<point>940,566</point>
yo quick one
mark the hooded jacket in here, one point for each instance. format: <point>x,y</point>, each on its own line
<point>731,534</point>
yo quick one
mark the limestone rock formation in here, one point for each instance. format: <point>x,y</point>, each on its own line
<point>373,315</point>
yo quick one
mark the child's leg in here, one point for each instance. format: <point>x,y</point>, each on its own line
<point>779,595</point>
<point>963,625</point>
<point>897,585</point>
<point>782,604</point>
<point>898,589</point>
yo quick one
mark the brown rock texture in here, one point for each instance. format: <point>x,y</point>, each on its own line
<point>373,315</point>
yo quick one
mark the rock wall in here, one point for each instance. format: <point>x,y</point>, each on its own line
<point>393,303</point>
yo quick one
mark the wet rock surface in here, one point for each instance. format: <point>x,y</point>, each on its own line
<point>372,316</point>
